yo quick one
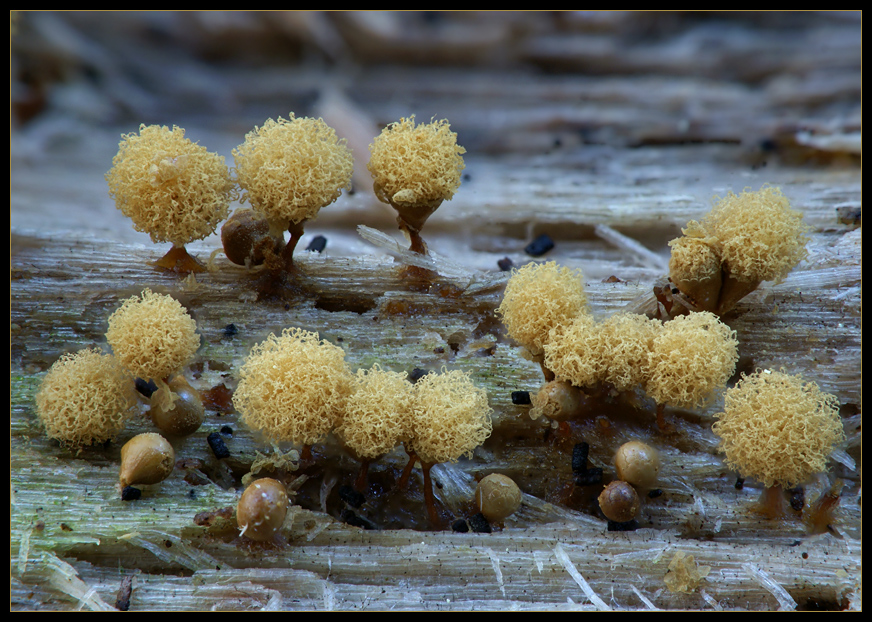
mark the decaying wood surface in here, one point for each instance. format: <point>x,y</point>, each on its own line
<point>611,155</point>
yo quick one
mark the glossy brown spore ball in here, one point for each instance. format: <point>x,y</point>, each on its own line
<point>559,401</point>
<point>619,501</point>
<point>146,459</point>
<point>247,240</point>
<point>183,413</point>
<point>262,509</point>
<point>497,497</point>
<point>637,463</point>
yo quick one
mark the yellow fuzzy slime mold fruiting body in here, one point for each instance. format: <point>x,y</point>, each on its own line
<point>777,428</point>
<point>377,416</point>
<point>451,418</point>
<point>746,239</point>
<point>415,168</point>
<point>587,353</point>
<point>538,298</point>
<point>85,399</point>
<point>378,413</point>
<point>290,169</point>
<point>171,188</point>
<point>621,344</point>
<point>152,335</point>
<point>691,357</point>
<point>293,388</point>
<point>695,266</point>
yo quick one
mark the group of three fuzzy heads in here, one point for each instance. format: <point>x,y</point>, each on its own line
<point>288,169</point>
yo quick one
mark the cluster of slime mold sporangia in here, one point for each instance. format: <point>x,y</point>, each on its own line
<point>746,239</point>
<point>297,388</point>
<point>680,363</point>
<point>774,427</point>
<point>287,170</point>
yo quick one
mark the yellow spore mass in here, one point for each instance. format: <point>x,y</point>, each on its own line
<point>152,335</point>
<point>539,297</point>
<point>293,388</point>
<point>85,399</point>
<point>291,168</point>
<point>171,188</point>
<point>416,164</point>
<point>777,428</point>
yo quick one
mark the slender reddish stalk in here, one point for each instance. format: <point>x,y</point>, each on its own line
<point>361,481</point>
<point>403,482</point>
<point>772,502</point>
<point>661,418</point>
<point>429,499</point>
<point>417,242</point>
<point>296,231</point>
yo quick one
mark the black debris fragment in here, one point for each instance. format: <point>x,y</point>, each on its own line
<point>216,443</point>
<point>416,374</point>
<point>797,498</point>
<point>318,244</point>
<point>584,476</point>
<point>129,493</point>
<point>479,523</point>
<point>630,525</point>
<point>145,388</point>
<point>541,245</point>
<point>579,457</point>
<point>505,264</point>
<point>521,397</point>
